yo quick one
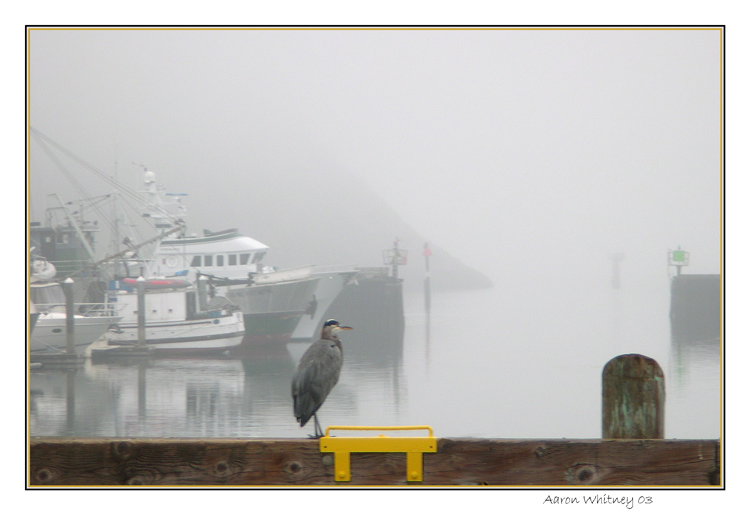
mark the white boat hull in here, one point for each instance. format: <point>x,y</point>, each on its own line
<point>50,334</point>
<point>209,335</point>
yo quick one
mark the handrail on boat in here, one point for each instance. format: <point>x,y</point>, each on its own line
<point>91,309</point>
<point>333,269</point>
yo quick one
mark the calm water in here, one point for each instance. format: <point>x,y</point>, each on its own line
<point>488,363</point>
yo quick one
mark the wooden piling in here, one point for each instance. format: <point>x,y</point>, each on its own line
<point>138,352</point>
<point>141,293</point>
<point>632,398</point>
<point>70,343</point>
<point>202,293</point>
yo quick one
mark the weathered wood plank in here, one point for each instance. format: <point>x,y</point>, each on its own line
<point>574,462</point>
<point>258,462</point>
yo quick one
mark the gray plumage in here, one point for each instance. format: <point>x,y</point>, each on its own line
<point>317,373</point>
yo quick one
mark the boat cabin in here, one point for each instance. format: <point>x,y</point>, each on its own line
<point>225,254</point>
<point>62,246</point>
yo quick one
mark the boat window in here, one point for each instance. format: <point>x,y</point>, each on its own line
<point>258,257</point>
<point>220,260</point>
<point>232,259</point>
<point>196,261</point>
<point>244,258</point>
<point>208,261</point>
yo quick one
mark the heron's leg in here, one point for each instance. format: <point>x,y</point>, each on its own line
<point>318,430</point>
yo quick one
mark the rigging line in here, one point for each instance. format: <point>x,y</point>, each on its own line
<point>119,186</point>
<point>150,241</point>
<point>98,209</point>
<point>80,161</point>
<point>98,198</point>
<point>44,145</point>
<point>105,177</point>
<point>127,194</point>
<point>77,185</point>
<point>74,181</point>
<point>92,204</point>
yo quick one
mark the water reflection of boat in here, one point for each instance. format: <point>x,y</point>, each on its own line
<point>176,397</point>
<point>68,402</point>
<point>211,397</point>
<point>180,319</point>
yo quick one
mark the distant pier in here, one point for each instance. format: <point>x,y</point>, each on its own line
<point>695,309</point>
<point>373,301</point>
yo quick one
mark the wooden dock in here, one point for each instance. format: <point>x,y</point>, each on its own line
<point>298,462</point>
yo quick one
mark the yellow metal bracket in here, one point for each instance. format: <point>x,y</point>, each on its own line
<point>343,446</point>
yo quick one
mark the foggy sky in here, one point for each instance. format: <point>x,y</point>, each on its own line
<point>521,152</point>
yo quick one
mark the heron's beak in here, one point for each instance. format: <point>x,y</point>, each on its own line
<point>345,327</point>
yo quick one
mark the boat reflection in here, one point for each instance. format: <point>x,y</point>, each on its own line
<point>247,396</point>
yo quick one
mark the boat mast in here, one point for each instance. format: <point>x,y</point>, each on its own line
<point>75,226</point>
<point>115,214</point>
<point>156,209</point>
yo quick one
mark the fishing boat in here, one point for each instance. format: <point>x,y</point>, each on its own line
<point>227,255</point>
<point>331,281</point>
<point>49,335</point>
<point>173,322</point>
<point>179,318</point>
<point>272,301</point>
<point>65,243</point>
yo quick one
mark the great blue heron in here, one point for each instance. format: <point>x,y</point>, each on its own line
<point>317,373</point>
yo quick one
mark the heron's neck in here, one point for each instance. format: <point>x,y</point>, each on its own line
<point>328,334</point>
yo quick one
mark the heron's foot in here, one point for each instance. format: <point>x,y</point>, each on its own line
<point>315,437</point>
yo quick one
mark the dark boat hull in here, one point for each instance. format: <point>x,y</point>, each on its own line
<point>272,311</point>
